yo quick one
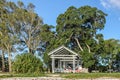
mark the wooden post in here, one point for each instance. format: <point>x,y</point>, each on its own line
<point>77,63</point>
<point>53,65</point>
<point>58,64</point>
<point>64,64</point>
<point>73,64</point>
<point>60,67</point>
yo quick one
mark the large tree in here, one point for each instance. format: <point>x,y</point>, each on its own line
<point>28,27</point>
<point>77,29</point>
<point>80,25</point>
<point>19,25</point>
<point>5,37</point>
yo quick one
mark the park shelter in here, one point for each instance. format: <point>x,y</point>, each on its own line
<point>64,60</point>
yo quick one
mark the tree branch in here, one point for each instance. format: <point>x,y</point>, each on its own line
<point>69,37</point>
<point>88,47</point>
<point>79,44</point>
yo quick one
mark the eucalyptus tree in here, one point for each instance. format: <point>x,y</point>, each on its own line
<point>3,34</point>
<point>24,25</point>
<point>78,27</point>
<point>28,25</point>
<point>7,29</point>
<point>6,44</point>
<point>23,28</point>
<point>2,48</point>
<point>18,25</point>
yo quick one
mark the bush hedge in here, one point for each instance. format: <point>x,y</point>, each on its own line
<point>27,63</point>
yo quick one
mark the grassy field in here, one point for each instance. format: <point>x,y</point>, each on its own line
<point>6,75</point>
<point>91,75</point>
<point>67,75</point>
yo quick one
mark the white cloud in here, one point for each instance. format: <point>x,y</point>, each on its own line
<point>105,3</point>
<point>110,3</point>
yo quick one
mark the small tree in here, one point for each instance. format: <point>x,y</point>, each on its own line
<point>27,63</point>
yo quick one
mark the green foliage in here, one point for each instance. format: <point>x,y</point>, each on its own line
<point>27,63</point>
<point>0,62</point>
<point>46,59</point>
<point>87,59</point>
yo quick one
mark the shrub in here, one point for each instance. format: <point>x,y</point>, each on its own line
<point>27,63</point>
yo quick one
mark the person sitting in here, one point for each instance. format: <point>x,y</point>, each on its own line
<point>78,69</point>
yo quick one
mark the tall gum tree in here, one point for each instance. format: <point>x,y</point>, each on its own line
<point>27,27</point>
<point>29,24</point>
<point>19,25</point>
<point>5,38</point>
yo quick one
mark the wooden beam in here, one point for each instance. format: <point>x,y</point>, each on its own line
<point>62,52</point>
<point>60,65</point>
<point>70,50</point>
<point>55,50</point>
<point>62,57</point>
<point>68,60</point>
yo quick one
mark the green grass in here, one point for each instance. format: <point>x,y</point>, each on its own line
<point>29,75</point>
<point>71,75</point>
<point>90,75</point>
<point>4,75</point>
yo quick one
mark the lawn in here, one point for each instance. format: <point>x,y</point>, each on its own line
<point>6,75</point>
<point>66,75</point>
<point>91,75</point>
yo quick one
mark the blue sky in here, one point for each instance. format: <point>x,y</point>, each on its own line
<point>49,10</point>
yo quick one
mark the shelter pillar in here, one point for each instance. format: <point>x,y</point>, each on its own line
<point>64,64</point>
<point>77,63</point>
<point>73,64</point>
<point>53,65</point>
<point>60,66</point>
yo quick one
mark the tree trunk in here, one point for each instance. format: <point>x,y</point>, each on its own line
<point>88,48</point>
<point>9,61</point>
<point>79,44</point>
<point>31,51</point>
<point>3,62</point>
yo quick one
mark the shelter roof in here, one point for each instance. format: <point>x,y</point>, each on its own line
<point>62,50</point>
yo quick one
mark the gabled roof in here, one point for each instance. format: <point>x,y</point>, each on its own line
<point>62,50</point>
